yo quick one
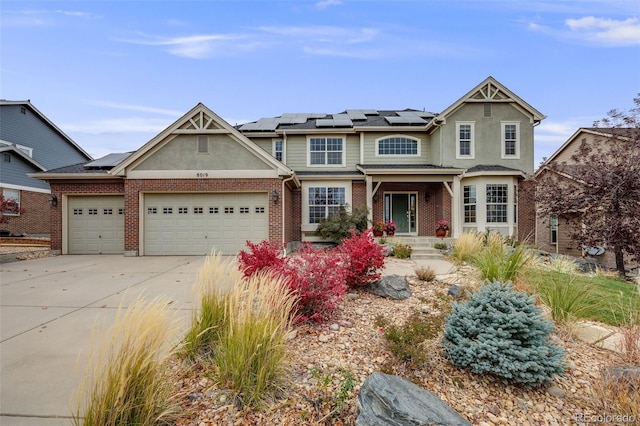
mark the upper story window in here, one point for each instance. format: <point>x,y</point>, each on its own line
<point>465,144</point>
<point>278,150</point>
<point>510,140</point>
<point>398,145</point>
<point>326,151</point>
<point>497,202</point>
<point>324,201</point>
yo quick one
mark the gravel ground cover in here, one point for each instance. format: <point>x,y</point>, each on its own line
<point>327,358</point>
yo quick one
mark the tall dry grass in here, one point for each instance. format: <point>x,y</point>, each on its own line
<point>498,261</point>
<point>240,327</point>
<point>125,382</point>
<point>467,245</point>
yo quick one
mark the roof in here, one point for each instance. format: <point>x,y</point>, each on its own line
<point>14,149</point>
<point>347,119</point>
<point>493,169</point>
<point>55,128</point>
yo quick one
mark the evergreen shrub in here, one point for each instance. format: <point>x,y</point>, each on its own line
<point>338,226</point>
<point>500,331</point>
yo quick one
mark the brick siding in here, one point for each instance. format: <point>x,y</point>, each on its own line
<point>527,210</point>
<point>35,218</point>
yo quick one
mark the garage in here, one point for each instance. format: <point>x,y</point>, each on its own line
<point>96,224</point>
<point>196,223</point>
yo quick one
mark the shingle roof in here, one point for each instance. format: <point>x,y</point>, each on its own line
<point>75,169</point>
<point>491,168</point>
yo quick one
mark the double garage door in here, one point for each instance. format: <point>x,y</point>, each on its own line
<point>172,224</point>
<point>195,224</point>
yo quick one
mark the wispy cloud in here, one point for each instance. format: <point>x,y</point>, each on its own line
<point>606,31</point>
<point>199,46</point>
<point>594,31</point>
<point>119,126</point>
<point>138,108</point>
<point>327,3</point>
<point>39,18</point>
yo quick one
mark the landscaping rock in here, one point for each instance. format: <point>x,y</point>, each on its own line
<point>391,286</point>
<point>628,374</point>
<point>390,400</point>
<point>455,291</point>
<point>555,391</point>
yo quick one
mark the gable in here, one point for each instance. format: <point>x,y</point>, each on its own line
<point>179,152</point>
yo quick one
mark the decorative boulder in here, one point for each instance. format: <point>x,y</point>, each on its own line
<point>387,400</point>
<point>391,286</point>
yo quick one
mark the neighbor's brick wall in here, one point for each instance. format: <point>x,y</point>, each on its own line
<point>35,219</point>
<point>59,189</point>
<point>527,211</point>
<point>133,187</point>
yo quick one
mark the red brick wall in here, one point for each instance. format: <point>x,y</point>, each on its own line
<point>429,212</point>
<point>296,216</point>
<point>60,189</point>
<point>133,187</point>
<point>358,194</point>
<point>34,219</point>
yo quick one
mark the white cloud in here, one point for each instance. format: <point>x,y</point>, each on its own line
<point>607,31</point>
<point>199,46</point>
<point>119,126</point>
<point>38,18</point>
<point>327,3</point>
<point>139,108</point>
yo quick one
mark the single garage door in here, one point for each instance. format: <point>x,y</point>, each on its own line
<point>194,224</point>
<point>96,224</point>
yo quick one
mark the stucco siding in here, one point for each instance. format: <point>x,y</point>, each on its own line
<point>488,137</point>
<point>181,153</point>
<point>297,147</point>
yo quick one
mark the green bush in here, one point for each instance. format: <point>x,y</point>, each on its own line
<point>441,246</point>
<point>406,341</point>
<point>336,227</point>
<point>402,251</point>
<point>567,299</point>
<point>500,331</point>
<point>499,261</point>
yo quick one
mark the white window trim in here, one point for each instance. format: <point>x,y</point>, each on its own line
<point>5,195</point>
<point>273,149</point>
<point>25,150</point>
<point>417,140</point>
<point>306,226</point>
<point>344,150</point>
<point>503,124</point>
<point>472,149</point>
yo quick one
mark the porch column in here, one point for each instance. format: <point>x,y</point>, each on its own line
<point>369,187</point>
<point>456,208</point>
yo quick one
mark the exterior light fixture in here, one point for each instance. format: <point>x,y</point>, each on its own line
<point>275,196</point>
<point>53,201</point>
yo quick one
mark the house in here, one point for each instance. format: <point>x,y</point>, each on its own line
<point>553,231</point>
<point>29,143</point>
<point>203,184</point>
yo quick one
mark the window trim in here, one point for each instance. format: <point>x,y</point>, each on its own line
<point>472,150</point>
<point>344,149</point>
<point>274,149</point>
<point>347,185</point>
<point>503,140</point>
<point>553,229</point>
<point>473,204</point>
<point>27,150</point>
<point>17,199</point>
<point>487,203</point>
<point>418,142</point>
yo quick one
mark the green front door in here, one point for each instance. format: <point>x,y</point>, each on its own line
<point>401,208</point>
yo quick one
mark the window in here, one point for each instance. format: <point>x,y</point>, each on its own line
<point>6,157</point>
<point>93,212</point>
<point>107,211</point>
<point>553,224</point>
<point>510,140</point>
<point>167,210</point>
<point>326,152</point>
<point>77,212</point>
<point>278,150</point>
<point>183,210</point>
<point>213,210</point>
<point>324,201</point>
<point>198,210</point>
<point>121,211</point>
<point>259,209</point>
<point>465,140</point>
<point>469,194</point>
<point>203,144</point>
<point>397,145</point>
<point>228,210</point>
<point>497,196</point>
<point>12,196</point>
<point>244,210</point>
<point>152,210</point>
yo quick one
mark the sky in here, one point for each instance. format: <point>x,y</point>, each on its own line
<point>113,74</point>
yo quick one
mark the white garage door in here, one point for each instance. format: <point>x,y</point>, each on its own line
<point>96,224</point>
<point>194,224</point>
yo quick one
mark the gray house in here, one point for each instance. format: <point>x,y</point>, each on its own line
<point>30,142</point>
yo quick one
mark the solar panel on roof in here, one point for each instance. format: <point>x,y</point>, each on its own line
<point>356,114</point>
<point>405,120</point>
<point>421,114</point>
<point>109,160</point>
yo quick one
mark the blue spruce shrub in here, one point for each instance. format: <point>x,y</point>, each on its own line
<point>500,331</point>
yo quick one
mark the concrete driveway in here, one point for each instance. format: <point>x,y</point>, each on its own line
<point>48,309</point>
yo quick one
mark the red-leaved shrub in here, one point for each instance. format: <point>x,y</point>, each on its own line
<point>265,254</point>
<point>315,276</point>
<point>362,257</point>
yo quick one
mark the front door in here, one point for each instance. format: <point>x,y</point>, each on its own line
<point>401,208</point>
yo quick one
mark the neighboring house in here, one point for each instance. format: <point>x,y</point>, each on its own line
<point>553,232</point>
<point>29,143</point>
<point>203,184</point>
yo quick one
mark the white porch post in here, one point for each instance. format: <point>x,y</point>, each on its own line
<point>456,208</point>
<point>369,186</point>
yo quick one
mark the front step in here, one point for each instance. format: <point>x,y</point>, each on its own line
<point>423,246</point>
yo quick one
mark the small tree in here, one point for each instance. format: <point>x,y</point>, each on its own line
<point>8,205</point>
<point>336,227</point>
<point>600,189</point>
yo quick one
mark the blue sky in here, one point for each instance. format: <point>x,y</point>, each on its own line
<point>113,74</point>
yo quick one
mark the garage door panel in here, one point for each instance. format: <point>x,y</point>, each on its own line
<point>197,223</point>
<point>95,224</point>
